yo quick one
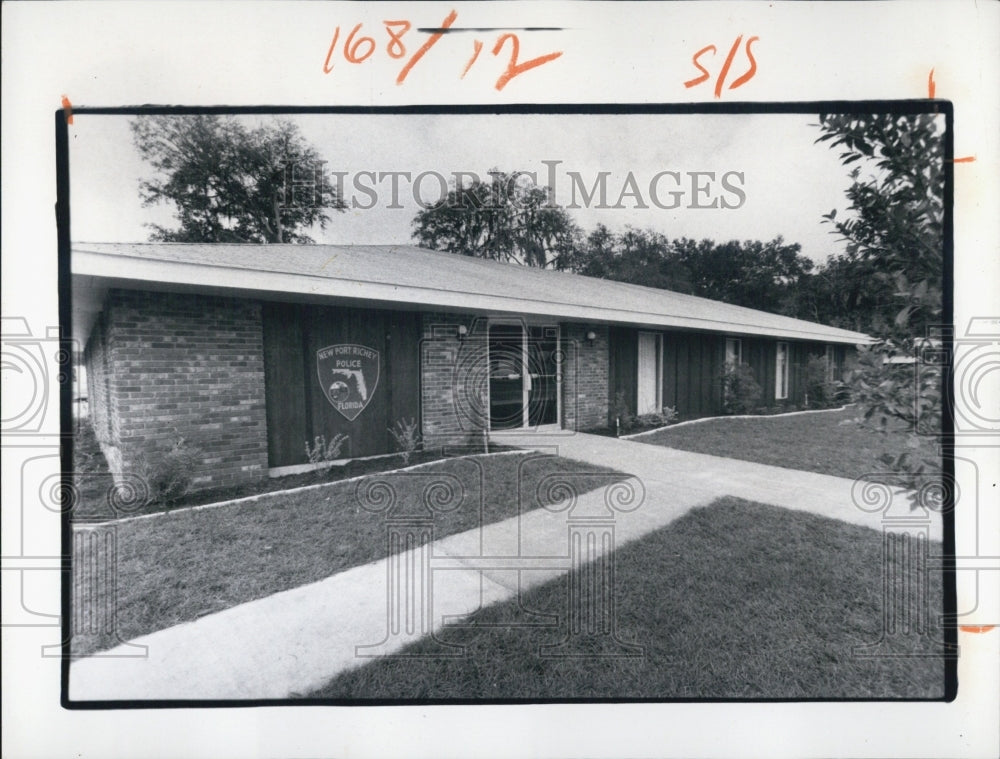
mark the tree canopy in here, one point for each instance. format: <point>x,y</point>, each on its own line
<point>231,183</point>
<point>507,218</point>
<point>750,273</point>
<point>895,226</point>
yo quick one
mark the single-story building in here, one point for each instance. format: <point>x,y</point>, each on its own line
<point>250,351</point>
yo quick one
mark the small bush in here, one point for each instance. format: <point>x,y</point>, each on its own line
<point>820,391</point>
<point>667,415</point>
<point>168,473</point>
<point>842,394</point>
<point>322,450</point>
<point>406,433</point>
<point>741,392</point>
<point>620,411</point>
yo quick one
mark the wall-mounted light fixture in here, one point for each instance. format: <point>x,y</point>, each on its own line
<point>462,331</point>
<point>591,336</point>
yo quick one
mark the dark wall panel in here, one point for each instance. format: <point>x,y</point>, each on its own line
<point>756,353</point>
<point>692,363</point>
<point>622,375</point>
<point>402,365</point>
<point>711,360</point>
<point>297,407</point>
<point>684,379</point>
<point>670,365</point>
<point>287,419</point>
<point>326,326</point>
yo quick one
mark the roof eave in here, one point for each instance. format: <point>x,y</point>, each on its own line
<point>145,272</point>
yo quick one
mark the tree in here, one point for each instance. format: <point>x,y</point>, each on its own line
<point>638,256</point>
<point>506,219</point>
<point>895,233</point>
<point>846,293</point>
<point>230,183</point>
<point>895,236</point>
<point>755,274</point>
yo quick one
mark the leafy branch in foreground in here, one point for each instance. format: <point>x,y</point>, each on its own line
<point>897,228</point>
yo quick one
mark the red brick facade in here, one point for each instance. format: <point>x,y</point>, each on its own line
<point>453,380</point>
<point>168,366</point>
<point>163,366</point>
<point>585,376</point>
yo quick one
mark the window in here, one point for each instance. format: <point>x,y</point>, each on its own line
<point>734,351</point>
<point>781,372</point>
<point>830,364</point>
<point>648,369</point>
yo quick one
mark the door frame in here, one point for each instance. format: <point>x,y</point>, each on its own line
<point>524,324</point>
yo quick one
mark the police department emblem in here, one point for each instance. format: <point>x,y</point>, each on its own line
<point>348,375</point>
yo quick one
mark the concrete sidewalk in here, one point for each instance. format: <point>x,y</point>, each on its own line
<point>292,642</point>
<point>698,478</point>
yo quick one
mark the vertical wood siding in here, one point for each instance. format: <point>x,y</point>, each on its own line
<point>296,405</point>
<point>692,366</point>
<point>623,355</point>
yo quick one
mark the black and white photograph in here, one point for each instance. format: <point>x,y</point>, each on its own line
<point>566,405</point>
<point>573,378</point>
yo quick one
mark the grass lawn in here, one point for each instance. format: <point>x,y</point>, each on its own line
<point>94,485</point>
<point>734,600</point>
<point>178,566</point>
<point>828,443</point>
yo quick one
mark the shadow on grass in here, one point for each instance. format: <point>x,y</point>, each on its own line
<point>735,600</point>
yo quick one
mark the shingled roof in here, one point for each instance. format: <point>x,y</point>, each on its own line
<point>394,275</point>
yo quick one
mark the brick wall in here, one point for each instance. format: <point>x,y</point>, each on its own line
<point>99,401</point>
<point>165,365</point>
<point>189,366</point>
<point>453,380</point>
<point>585,376</point>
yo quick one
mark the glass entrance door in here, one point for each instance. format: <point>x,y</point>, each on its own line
<point>543,374</point>
<point>524,376</point>
<point>507,382</point>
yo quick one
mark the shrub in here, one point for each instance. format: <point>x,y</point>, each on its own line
<point>406,433</point>
<point>820,392</point>
<point>893,395</point>
<point>842,393</point>
<point>322,450</point>
<point>168,473</point>
<point>667,415</point>
<point>620,411</point>
<point>741,392</point>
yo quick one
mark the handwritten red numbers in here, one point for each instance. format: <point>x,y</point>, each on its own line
<point>727,64</point>
<point>352,47</point>
<point>396,48</point>
<point>357,49</point>
<point>513,67</point>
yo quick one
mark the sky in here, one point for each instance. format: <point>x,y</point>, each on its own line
<point>770,178</point>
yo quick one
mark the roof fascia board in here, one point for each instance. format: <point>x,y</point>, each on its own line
<point>141,271</point>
